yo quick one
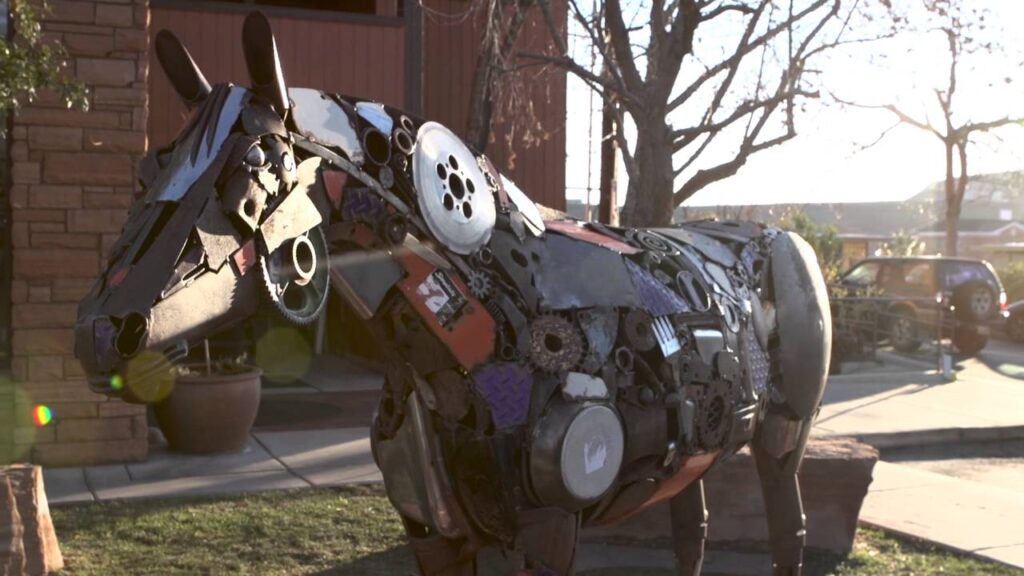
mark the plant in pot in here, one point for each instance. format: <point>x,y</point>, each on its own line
<point>212,406</point>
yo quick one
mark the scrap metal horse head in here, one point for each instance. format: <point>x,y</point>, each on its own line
<point>223,209</point>
<point>542,375</point>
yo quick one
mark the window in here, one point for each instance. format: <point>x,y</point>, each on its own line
<point>918,279</point>
<point>351,6</point>
<point>863,275</point>
<point>959,273</point>
<point>356,6</point>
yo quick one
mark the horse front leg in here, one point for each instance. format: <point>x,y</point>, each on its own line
<point>800,346</point>
<point>689,528</point>
<point>783,505</point>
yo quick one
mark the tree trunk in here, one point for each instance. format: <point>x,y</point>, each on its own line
<point>649,195</point>
<point>955,189</point>
<point>481,105</point>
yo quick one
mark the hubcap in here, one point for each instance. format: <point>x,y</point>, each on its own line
<point>902,330</point>
<point>981,301</point>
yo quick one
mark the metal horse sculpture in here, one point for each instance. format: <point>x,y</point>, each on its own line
<point>543,376</point>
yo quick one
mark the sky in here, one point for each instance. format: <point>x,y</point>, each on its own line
<point>828,160</point>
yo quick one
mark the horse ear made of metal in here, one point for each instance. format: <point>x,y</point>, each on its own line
<point>542,376</point>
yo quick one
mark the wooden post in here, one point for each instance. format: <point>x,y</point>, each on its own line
<point>608,211</point>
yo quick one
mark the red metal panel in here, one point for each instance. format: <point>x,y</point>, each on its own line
<point>355,58</point>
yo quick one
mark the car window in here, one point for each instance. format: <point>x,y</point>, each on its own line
<point>863,275</point>
<point>918,278</point>
<point>959,273</point>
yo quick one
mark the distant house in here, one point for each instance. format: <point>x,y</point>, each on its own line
<point>862,226</point>
<point>993,240</point>
<point>991,217</point>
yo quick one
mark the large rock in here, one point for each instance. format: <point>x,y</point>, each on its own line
<point>28,543</point>
<point>834,479</point>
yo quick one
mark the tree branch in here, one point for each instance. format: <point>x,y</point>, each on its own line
<point>619,38</point>
<point>741,53</point>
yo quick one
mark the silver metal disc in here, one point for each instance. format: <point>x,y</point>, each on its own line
<point>592,452</point>
<point>453,195</point>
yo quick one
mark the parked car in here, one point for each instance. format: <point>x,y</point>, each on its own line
<point>1015,321</point>
<point>910,299</point>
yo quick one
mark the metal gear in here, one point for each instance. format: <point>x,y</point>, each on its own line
<point>555,343</point>
<point>714,416</point>
<point>296,278</point>
<point>638,331</point>
<point>479,284</point>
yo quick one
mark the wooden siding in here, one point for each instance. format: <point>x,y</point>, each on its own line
<point>363,59</point>
<point>355,58</point>
<point>450,54</point>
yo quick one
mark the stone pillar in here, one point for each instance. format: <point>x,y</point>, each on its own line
<point>72,180</point>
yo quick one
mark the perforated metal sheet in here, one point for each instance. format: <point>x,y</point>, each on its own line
<point>453,195</point>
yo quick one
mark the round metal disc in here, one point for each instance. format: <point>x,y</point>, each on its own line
<point>453,195</point>
<point>592,452</point>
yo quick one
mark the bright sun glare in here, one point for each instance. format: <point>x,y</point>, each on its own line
<point>827,162</point>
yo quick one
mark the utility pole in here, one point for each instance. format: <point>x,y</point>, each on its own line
<point>608,212</point>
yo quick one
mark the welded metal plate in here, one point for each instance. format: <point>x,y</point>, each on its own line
<point>195,152</point>
<point>375,114</point>
<point>321,119</point>
<point>707,246</point>
<point>454,198</point>
<point>531,215</point>
<point>578,231</point>
<point>576,274</point>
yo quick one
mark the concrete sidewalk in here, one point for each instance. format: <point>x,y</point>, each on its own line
<point>270,461</point>
<point>966,516</point>
<point>915,408</point>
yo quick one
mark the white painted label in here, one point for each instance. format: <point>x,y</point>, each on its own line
<point>595,454</point>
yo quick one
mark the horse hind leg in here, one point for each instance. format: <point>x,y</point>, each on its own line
<point>689,517</point>
<point>439,556</point>
<point>800,347</point>
<point>548,539</point>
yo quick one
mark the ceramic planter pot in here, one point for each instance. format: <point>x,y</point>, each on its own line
<point>208,413</point>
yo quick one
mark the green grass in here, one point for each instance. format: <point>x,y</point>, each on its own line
<point>351,532</point>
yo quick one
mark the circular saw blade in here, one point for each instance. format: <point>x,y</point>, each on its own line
<point>453,195</point>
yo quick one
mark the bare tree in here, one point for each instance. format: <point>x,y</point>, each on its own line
<point>960,27</point>
<point>706,83</point>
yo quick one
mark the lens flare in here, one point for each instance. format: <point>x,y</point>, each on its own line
<point>42,415</point>
<point>149,376</point>
<point>284,355</point>
<point>116,382</point>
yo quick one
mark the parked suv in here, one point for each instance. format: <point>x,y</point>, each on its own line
<point>910,299</point>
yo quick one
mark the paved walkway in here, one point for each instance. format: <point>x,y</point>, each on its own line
<point>884,407</point>
<point>968,516</point>
<point>270,461</point>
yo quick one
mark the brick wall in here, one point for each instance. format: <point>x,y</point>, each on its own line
<point>72,177</point>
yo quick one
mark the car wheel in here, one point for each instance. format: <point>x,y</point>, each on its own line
<point>1015,327</point>
<point>976,302</point>
<point>968,341</point>
<point>903,332</point>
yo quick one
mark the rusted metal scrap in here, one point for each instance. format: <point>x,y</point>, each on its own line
<point>542,376</point>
